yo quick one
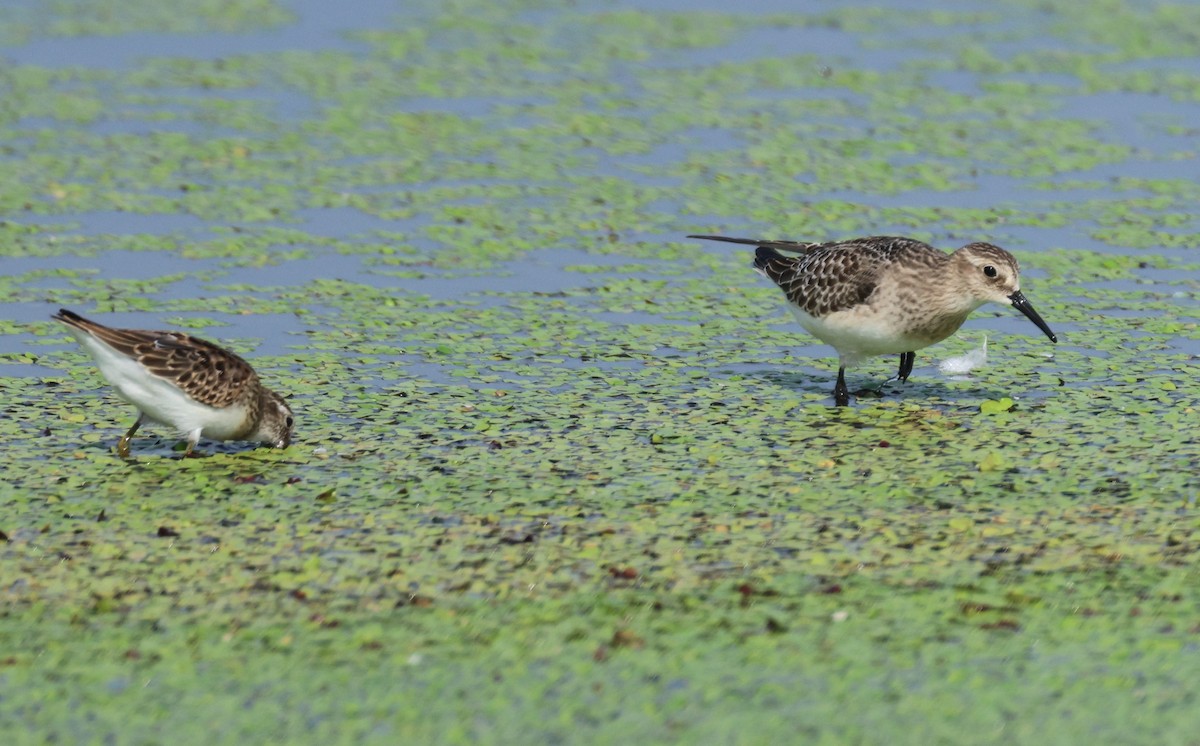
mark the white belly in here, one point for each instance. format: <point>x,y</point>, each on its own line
<point>861,332</point>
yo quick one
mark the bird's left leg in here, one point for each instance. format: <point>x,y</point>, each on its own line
<point>841,397</point>
<point>123,443</point>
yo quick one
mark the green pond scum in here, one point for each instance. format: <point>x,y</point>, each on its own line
<point>561,475</point>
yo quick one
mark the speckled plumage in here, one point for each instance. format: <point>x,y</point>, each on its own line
<point>830,277</point>
<point>193,385</point>
<point>887,294</point>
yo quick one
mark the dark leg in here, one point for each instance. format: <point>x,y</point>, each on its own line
<point>123,443</point>
<point>906,365</point>
<point>841,397</point>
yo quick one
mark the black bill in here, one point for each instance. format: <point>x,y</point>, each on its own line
<point>1024,306</point>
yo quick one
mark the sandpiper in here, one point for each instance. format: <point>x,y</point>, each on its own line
<point>186,383</point>
<point>886,294</point>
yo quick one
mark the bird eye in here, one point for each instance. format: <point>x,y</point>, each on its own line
<point>289,421</point>
<point>990,271</point>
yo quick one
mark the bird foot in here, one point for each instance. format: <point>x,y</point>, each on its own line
<point>189,450</point>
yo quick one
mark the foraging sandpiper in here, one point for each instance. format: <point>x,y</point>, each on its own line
<point>885,294</point>
<point>194,386</point>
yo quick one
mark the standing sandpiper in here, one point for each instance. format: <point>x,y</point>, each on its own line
<point>884,294</point>
<point>194,386</point>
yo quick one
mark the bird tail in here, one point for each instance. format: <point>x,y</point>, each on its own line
<point>767,258</point>
<point>727,239</point>
<point>72,319</point>
<point>779,268</point>
<point>764,256</point>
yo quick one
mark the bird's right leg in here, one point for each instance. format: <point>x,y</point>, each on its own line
<point>193,438</point>
<point>906,365</point>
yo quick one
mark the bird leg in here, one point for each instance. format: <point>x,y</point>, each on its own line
<point>906,365</point>
<point>123,443</point>
<point>841,397</point>
<point>192,439</point>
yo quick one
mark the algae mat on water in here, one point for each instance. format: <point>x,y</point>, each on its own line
<point>560,475</point>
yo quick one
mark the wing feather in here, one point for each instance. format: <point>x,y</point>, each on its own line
<point>824,278</point>
<point>207,373</point>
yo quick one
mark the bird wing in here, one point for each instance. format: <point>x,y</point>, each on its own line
<point>834,275</point>
<point>825,280</point>
<point>207,373</point>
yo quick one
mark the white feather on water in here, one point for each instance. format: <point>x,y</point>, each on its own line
<point>964,364</point>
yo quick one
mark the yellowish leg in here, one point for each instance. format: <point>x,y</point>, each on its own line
<point>193,439</point>
<point>123,443</point>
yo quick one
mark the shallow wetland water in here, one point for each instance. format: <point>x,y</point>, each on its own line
<point>560,474</point>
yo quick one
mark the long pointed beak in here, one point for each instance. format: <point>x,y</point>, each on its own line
<point>1024,306</point>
